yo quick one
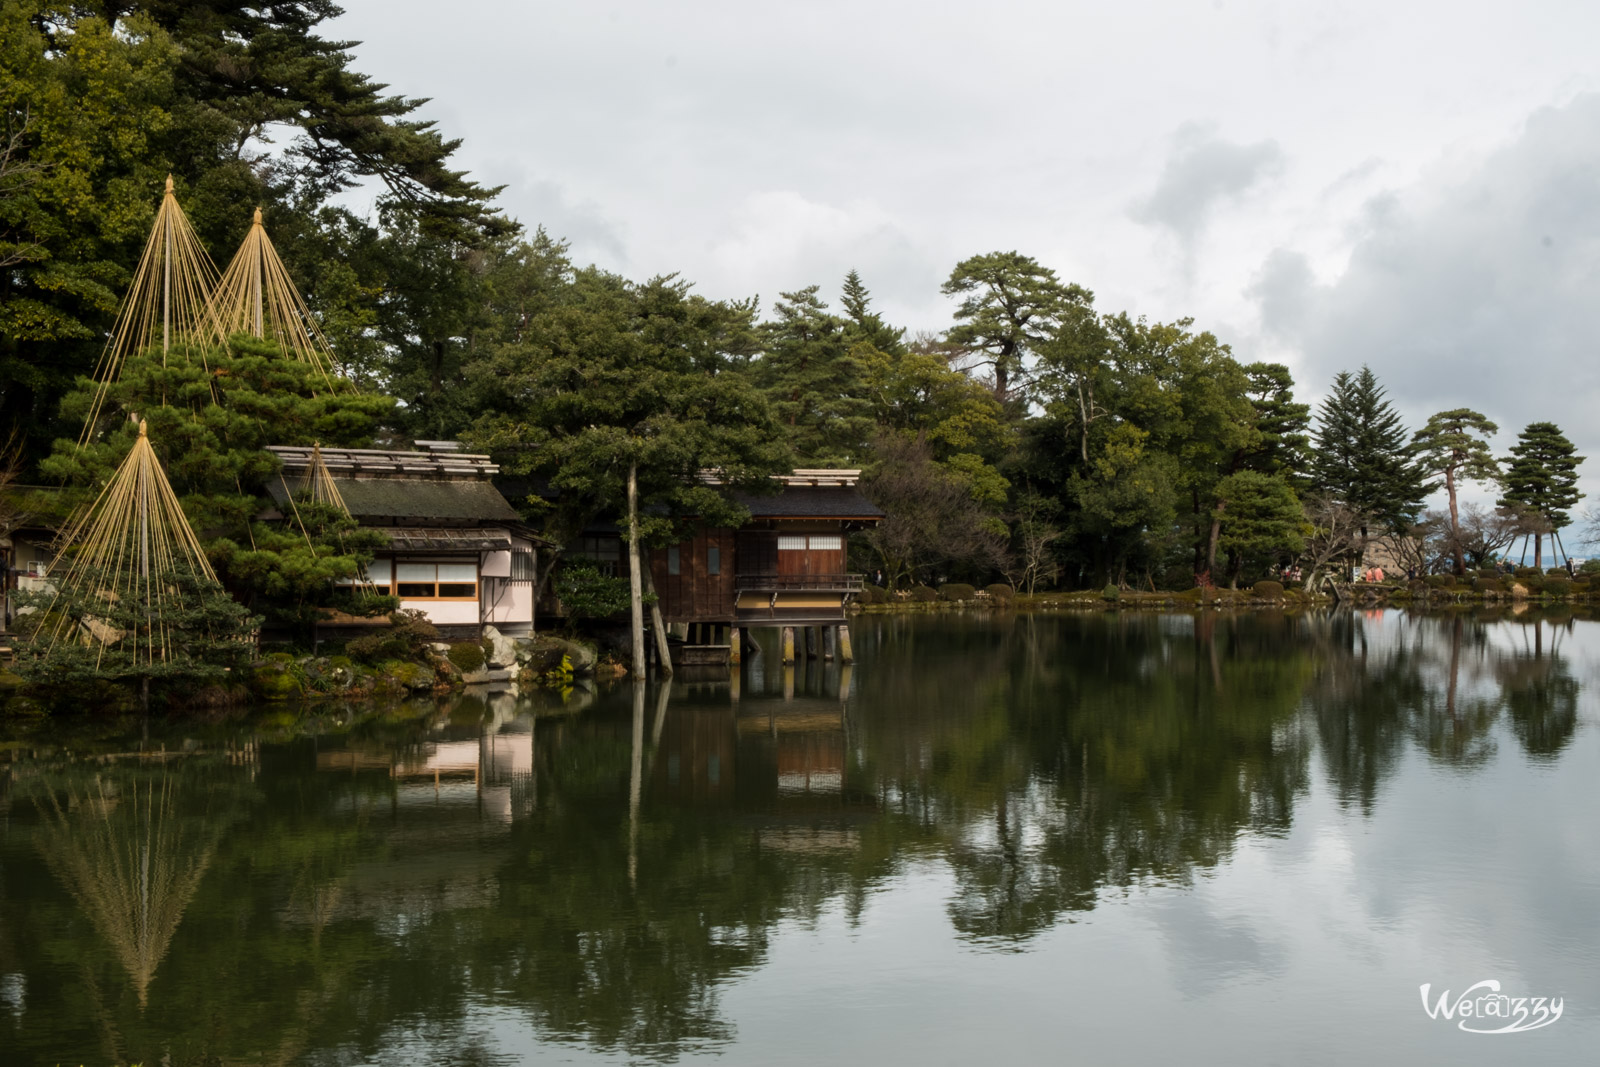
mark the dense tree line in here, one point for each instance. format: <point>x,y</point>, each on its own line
<point>1039,438</point>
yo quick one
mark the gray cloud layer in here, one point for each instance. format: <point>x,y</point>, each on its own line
<point>1201,172</point>
<point>1474,289</point>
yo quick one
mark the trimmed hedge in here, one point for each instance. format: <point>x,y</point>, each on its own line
<point>1558,585</point>
<point>1441,581</point>
<point>1111,592</point>
<point>1272,590</point>
<point>1487,585</point>
<point>923,593</point>
<point>467,656</point>
<point>873,594</point>
<point>1000,591</point>
<point>956,591</point>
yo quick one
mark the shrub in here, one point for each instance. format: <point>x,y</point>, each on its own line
<point>1441,581</point>
<point>923,593</point>
<point>468,656</point>
<point>1487,585</point>
<point>1270,590</point>
<point>1528,572</point>
<point>873,594</point>
<point>586,593</point>
<point>956,591</point>
<point>1558,572</point>
<point>1558,585</point>
<point>1000,591</point>
<point>1111,592</point>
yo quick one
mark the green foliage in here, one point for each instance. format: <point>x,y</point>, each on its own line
<point>956,591</point>
<point>813,376</point>
<point>1010,304</point>
<point>1487,585</point>
<point>467,656</point>
<point>1000,591</point>
<point>619,375</point>
<point>1541,475</point>
<point>873,594</point>
<point>923,594</point>
<point>1558,585</point>
<point>408,634</point>
<point>1260,517</point>
<point>1268,590</point>
<point>1111,592</point>
<point>1362,457</point>
<point>586,593</point>
<point>193,635</point>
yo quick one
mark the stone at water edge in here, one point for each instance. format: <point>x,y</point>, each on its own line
<point>503,651</point>
<point>581,657</point>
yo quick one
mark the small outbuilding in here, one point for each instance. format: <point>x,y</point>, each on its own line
<point>459,552</point>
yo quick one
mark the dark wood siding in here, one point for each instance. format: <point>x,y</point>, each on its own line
<point>694,594</point>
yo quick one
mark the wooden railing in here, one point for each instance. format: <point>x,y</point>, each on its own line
<point>776,583</point>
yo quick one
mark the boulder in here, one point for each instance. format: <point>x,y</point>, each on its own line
<point>582,657</point>
<point>502,650</point>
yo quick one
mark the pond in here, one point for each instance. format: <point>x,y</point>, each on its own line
<point>1108,838</point>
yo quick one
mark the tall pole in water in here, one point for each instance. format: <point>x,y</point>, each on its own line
<point>166,278</point>
<point>257,267</point>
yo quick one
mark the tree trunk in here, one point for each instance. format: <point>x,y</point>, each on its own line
<point>1538,552</point>
<point>1211,542</point>
<point>635,583</point>
<point>663,650</point>
<point>1455,525</point>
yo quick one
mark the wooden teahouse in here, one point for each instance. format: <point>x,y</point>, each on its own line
<point>785,568</point>
<point>459,552</point>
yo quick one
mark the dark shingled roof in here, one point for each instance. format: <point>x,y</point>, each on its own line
<point>811,502</point>
<point>430,499</point>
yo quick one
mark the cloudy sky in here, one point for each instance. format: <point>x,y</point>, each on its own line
<point>1413,185</point>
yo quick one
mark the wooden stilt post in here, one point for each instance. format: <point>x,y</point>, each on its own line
<point>829,640</point>
<point>735,645</point>
<point>788,682</point>
<point>788,646</point>
<point>846,653</point>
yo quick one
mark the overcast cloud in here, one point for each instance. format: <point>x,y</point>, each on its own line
<point>1407,185</point>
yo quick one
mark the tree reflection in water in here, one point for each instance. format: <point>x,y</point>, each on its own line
<point>603,874</point>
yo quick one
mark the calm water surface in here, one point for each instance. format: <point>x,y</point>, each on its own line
<point>1032,839</point>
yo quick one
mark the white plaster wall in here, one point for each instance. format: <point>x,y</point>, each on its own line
<point>447,612</point>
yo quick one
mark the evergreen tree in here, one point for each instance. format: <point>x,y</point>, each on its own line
<point>210,429</point>
<point>1541,480</point>
<point>1285,446</point>
<point>1261,520</point>
<point>1454,445</point>
<point>1362,457</point>
<point>1010,305</point>
<point>812,375</point>
<point>865,326</point>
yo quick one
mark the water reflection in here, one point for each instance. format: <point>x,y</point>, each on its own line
<point>329,889</point>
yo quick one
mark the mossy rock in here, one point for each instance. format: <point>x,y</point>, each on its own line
<point>10,683</point>
<point>1268,590</point>
<point>277,677</point>
<point>956,591</point>
<point>402,675</point>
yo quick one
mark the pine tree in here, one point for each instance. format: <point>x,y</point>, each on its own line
<point>1454,445</point>
<point>1362,458</point>
<point>1541,480</point>
<point>814,378</point>
<point>1010,305</point>
<point>1285,446</point>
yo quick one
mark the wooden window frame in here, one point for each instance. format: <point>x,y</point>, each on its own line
<point>476,583</point>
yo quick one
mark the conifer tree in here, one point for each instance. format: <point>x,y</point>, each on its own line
<point>1362,457</point>
<point>1010,305</point>
<point>1541,480</point>
<point>1285,447</point>
<point>814,380</point>
<point>1454,445</point>
<point>865,326</point>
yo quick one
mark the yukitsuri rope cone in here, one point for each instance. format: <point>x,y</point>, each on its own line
<point>131,543</point>
<point>169,302</point>
<point>319,485</point>
<point>133,865</point>
<point>257,296</point>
